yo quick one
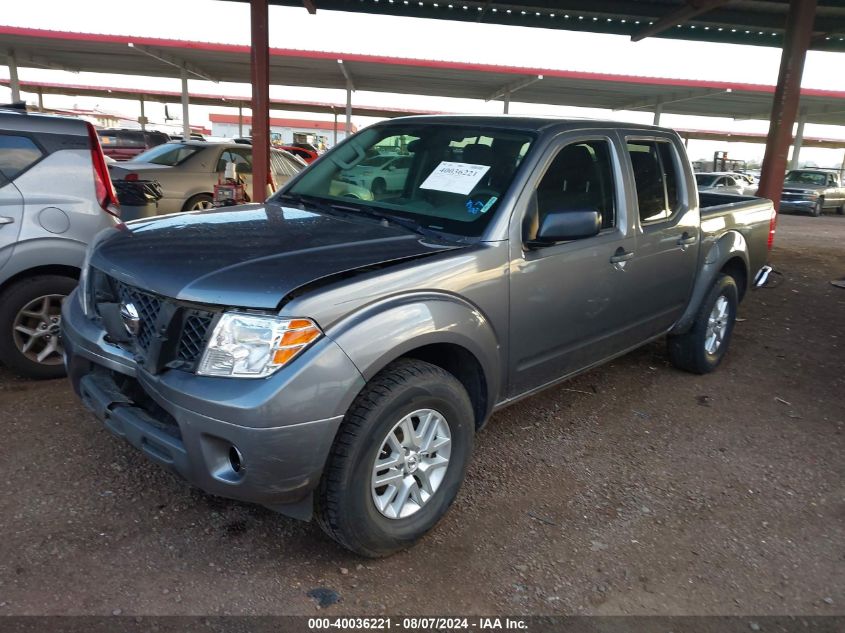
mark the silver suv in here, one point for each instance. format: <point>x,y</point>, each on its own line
<point>55,195</point>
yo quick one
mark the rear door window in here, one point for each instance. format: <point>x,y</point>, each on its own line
<point>170,154</point>
<point>656,178</point>
<point>241,158</point>
<point>17,154</point>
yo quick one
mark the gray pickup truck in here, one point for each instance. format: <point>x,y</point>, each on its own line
<point>328,356</point>
<point>813,191</point>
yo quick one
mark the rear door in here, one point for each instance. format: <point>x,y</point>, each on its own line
<point>661,273</point>
<point>17,155</point>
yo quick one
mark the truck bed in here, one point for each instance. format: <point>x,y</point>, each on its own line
<point>748,215</point>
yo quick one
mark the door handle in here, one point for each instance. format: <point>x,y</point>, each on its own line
<point>621,255</point>
<point>686,239</point>
<point>5,219</point>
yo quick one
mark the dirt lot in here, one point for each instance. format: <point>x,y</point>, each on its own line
<point>634,489</point>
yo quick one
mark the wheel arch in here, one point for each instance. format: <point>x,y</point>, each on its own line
<point>728,254</point>
<point>187,201</point>
<point>62,270</point>
<point>441,330</point>
<point>43,256</point>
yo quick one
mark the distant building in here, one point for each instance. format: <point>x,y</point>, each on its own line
<point>282,131</point>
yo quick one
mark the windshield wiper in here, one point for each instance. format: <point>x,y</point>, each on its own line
<point>361,209</point>
<point>390,218</point>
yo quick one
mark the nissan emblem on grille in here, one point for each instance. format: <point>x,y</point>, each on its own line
<point>131,318</point>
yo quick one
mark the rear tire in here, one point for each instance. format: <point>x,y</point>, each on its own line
<point>346,500</point>
<point>29,325</point>
<point>199,202</point>
<point>700,350</point>
<point>840,210</point>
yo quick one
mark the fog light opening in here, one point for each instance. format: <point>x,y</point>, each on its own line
<point>235,459</point>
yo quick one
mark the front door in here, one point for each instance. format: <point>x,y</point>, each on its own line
<point>564,297</point>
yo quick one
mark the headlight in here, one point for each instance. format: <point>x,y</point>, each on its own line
<point>84,299</point>
<point>254,346</point>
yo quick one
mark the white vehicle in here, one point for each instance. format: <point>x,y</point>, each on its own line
<point>380,174</point>
<point>747,178</point>
<point>724,182</point>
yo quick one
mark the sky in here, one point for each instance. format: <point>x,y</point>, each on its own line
<point>228,22</point>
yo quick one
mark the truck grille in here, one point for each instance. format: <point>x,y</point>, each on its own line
<point>148,307</point>
<point>194,333</point>
<point>795,194</point>
<point>171,334</point>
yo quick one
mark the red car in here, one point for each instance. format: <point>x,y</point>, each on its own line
<point>306,153</point>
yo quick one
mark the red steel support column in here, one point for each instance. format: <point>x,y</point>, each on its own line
<point>799,30</point>
<point>260,67</point>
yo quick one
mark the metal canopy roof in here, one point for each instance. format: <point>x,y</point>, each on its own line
<point>167,96</point>
<point>164,96</point>
<point>226,62</point>
<point>755,22</point>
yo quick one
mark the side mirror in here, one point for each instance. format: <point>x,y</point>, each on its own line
<point>391,168</point>
<point>563,225</point>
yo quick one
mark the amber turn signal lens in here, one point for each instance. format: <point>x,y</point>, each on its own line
<point>299,337</point>
<point>299,324</point>
<point>281,356</point>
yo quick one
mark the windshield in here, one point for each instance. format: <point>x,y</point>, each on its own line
<point>169,154</point>
<point>442,177</point>
<point>705,180</point>
<point>807,177</point>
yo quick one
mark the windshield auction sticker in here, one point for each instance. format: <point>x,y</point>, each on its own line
<point>454,177</point>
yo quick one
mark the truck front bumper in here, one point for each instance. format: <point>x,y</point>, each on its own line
<point>262,441</point>
<point>797,206</point>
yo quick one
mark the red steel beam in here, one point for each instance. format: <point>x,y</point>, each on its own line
<point>799,32</point>
<point>260,69</point>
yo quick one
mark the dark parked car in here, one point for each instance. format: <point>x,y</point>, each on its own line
<point>328,355</point>
<point>126,144</point>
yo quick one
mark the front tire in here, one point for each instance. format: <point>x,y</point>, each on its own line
<point>700,350</point>
<point>818,208</point>
<point>398,459</point>
<point>30,322</point>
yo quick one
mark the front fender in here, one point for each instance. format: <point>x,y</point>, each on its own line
<point>386,330</point>
<point>729,246</point>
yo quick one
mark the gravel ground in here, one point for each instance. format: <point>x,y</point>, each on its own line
<point>634,489</point>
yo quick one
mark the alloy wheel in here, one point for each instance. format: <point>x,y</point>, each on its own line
<point>717,325</point>
<point>411,463</point>
<point>37,330</point>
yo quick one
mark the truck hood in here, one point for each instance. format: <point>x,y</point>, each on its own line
<point>250,256</point>
<point>803,187</point>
